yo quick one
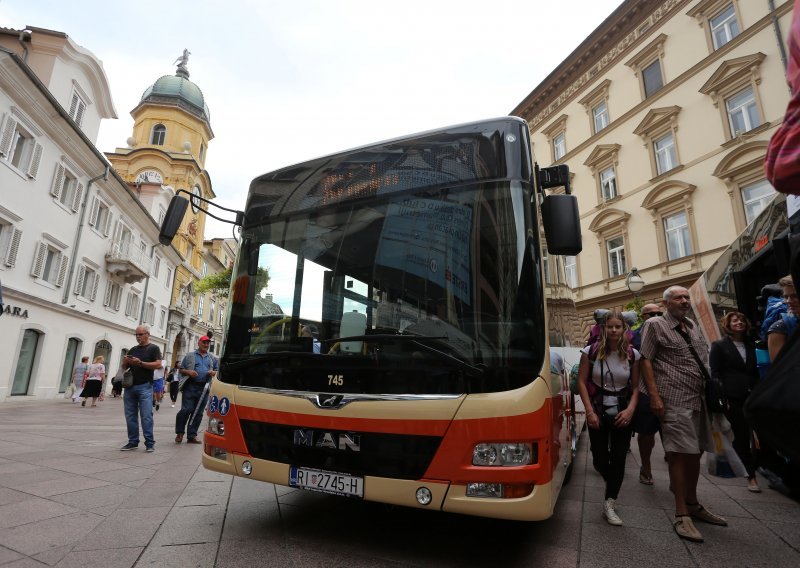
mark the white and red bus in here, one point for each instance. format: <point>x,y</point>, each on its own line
<point>418,262</point>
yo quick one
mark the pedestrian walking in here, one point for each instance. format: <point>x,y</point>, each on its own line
<point>785,325</point>
<point>733,362</point>
<point>142,360</point>
<point>675,367</point>
<point>174,383</point>
<point>158,384</point>
<point>645,423</point>
<point>94,380</point>
<point>608,381</point>
<point>79,373</point>
<point>200,367</point>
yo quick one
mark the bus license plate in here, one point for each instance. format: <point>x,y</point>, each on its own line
<point>326,481</point>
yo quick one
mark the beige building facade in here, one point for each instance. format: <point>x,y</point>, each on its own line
<point>663,115</point>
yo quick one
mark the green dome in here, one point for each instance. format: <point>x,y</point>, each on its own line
<point>178,89</point>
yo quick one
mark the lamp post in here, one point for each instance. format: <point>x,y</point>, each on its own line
<point>634,282</point>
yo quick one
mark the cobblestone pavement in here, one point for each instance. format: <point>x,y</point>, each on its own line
<point>69,497</point>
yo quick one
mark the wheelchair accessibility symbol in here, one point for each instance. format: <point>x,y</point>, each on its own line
<point>213,404</point>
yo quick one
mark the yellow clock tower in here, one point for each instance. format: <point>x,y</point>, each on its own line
<point>167,153</point>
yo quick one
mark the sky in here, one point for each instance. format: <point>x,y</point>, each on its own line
<point>287,82</point>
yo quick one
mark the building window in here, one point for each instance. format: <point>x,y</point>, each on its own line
<point>87,282</point>
<point>150,313</point>
<point>100,216</point>
<point>742,111</point>
<point>221,316</point>
<point>162,318</point>
<point>159,135</point>
<point>25,362</point>
<point>202,152</point>
<point>676,230</point>
<point>18,147</point>
<point>600,116</point>
<point>559,146</point>
<point>161,214</point>
<point>189,253</point>
<point>724,26</point>
<point>734,89</point>
<point>647,64</point>
<point>670,204</point>
<point>77,108</point>
<point>10,239</point>
<point>652,78</point>
<point>132,305</point>
<point>557,137</point>
<point>616,256</point>
<point>571,271</point>
<point>666,155</point>
<point>608,183</point>
<point>204,269</point>
<point>168,278</point>
<point>113,296</point>
<point>50,264</point>
<point>156,266</point>
<point>212,311</point>
<point>200,303</point>
<point>66,188</point>
<point>755,197</point>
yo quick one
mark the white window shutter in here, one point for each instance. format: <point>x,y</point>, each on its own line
<point>58,181</point>
<point>38,260</point>
<point>94,286</point>
<point>95,209</point>
<point>107,298</point>
<point>36,159</point>
<point>107,226</point>
<point>76,202</point>
<point>128,304</point>
<point>79,114</point>
<point>13,247</point>
<point>117,232</point>
<point>117,300</point>
<point>7,136</point>
<point>79,281</point>
<point>62,270</point>
<point>73,105</point>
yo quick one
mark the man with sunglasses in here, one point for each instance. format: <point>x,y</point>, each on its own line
<point>142,360</point>
<point>645,423</point>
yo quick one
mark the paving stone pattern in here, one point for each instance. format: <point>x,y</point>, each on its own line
<point>70,498</point>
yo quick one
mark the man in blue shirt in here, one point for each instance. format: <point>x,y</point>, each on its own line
<point>200,367</point>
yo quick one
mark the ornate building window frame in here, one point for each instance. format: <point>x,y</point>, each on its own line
<point>592,100</point>
<point>558,126</point>
<point>741,167</point>
<point>608,224</point>
<point>706,10</point>
<point>665,200</point>
<point>601,158</point>
<point>653,51</point>
<point>657,123</point>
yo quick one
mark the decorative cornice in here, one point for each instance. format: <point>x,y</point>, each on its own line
<point>732,70</point>
<point>656,118</point>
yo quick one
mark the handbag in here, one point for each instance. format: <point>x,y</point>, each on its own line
<point>714,391</point>
<point>127,379</point>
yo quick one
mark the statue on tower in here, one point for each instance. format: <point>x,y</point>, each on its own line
<point>182,61</point>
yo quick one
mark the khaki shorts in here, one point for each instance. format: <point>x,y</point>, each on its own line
<point>686,431</point>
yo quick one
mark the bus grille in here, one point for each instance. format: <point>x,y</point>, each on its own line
<point>397,456</point>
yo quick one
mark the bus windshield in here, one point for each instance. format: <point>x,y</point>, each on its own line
<point>433,287</point>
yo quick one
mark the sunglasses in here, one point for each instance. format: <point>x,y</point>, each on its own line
<point>648,314</point>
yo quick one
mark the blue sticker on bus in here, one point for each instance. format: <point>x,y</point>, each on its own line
<point>224,406</point>
<point>212,405</point>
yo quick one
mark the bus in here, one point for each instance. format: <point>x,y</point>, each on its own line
<point>419,261</point>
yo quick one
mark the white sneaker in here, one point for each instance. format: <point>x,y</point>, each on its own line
<point>610,514</point>
<point>173,406</point>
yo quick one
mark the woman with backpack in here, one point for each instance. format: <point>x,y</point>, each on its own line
<point>608,382</point>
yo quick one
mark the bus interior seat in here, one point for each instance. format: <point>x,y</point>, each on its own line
<point>353,323</point>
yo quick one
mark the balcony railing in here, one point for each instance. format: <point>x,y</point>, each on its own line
<point>127,262</point>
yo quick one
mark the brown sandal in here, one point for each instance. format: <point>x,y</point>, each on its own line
<point>684,528</point>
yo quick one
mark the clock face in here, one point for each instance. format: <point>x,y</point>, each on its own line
<point>195,202</point>
<point>149,176</point>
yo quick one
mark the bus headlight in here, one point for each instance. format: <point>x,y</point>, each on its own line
<point>503,454</point>
<point>216,426</point>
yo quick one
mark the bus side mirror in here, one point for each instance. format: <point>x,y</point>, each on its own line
<point>562,225</point>
<point>173,219</point>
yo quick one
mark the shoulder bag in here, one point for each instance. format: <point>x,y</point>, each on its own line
<point>127,379</point>
<point>714,392</point>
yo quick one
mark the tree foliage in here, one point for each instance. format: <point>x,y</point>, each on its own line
<point>219,284</point>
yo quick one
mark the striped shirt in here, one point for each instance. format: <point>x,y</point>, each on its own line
<point>678,378</point>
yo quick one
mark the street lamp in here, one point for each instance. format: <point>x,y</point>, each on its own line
<point>634,282</point>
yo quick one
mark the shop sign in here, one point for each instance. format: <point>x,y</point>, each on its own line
<point>761,242</point>
<point>15,311</point>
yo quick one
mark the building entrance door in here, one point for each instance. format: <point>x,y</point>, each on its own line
<point>73,346</point>
<point>27,355</point>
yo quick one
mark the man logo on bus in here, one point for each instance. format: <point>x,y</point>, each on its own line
<point>329,400</point>
<point>344,441</point>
